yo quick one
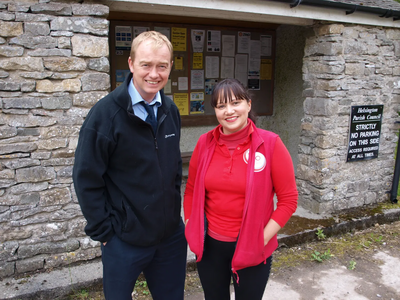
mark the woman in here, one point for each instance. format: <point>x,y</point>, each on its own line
<point>234,172</point>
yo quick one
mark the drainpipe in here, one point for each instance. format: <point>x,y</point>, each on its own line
<point>396,175</point>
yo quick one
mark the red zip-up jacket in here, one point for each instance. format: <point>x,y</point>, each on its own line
<point>259,205</point>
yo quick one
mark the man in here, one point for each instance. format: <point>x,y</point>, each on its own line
<point>127,177</point>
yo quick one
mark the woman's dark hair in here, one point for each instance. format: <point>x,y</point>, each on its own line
<point>229,89</point>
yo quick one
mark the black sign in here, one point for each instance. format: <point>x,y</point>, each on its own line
<point>365,130</point>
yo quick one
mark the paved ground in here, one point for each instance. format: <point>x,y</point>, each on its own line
<point>365,264</point>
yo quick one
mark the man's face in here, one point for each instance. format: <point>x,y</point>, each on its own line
<point>150,69</point>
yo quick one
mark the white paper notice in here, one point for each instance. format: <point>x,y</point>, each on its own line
<point>266,45</point>
<point>212,66</point>
<point>228,45</point>
<point>164,30</point>
<point>198,37</point>
<point>241,68</point>
<point>227,66</point>
<point>213,41</point>
<point>182,83</point>
<point>243,42</point>
<point>197,80</point>
<point>139,30</point>
<point>167,87</point>
<point>255,58</point>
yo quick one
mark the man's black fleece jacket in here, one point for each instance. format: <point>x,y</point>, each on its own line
<point>127,179</point>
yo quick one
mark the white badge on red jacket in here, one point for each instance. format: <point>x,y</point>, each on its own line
<point>259,163</point>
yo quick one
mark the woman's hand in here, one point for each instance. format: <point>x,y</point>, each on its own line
<point>270,230</point>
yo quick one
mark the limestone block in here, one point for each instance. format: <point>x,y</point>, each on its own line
<point>64,75</point>
<point>355,47</point>
<point>9,85</point>
<point>324,48</point>
<point>87,243</point>
<point>36,75</point>
<point>80,25</point>
<point>89,46</point>
<point>330,29</point>
<point>37,28</point>
<point>68,85</point>
<point>51,144</point>
<point>320,106</point>
<point>22,63</point>
<point>28,131</point>
<point>59,162</point>
<point>34,42</point>
<point>28,86</point>
<point>95,81</point>
<point>9,29</point>
<point>99,64</point>
<point>8,250</point>
<point>55,197</point>
<point>6,16</point>
<point>57,102</point>
<point>65,172</point>
<point>21,163</point>
<point>59,131</point>
<point>19,6</point>
<point>393,34</point>
<point>29,17</point>
<point>50,52</point>
<point>18,147</point>
<point>52,8</point>
<point>29,187</point>
<point>14,234</point>
<point>21,103</point>
<point>10,51</point>
<point>68,258</point>
<point>29,199</point>
<point>7,269</point>
<point>30,264</point>
<point>87,99</point>
<point>90,10</point>
<point>355,69</point>
<point>35,174</point>
<point>5,183</point>
<point>7,132</point>
<point>64,43</point>
<point>41,155</point>
<point>63,64</point>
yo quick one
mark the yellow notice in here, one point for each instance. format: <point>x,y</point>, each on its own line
<point>182,102</point>
<point>178,38</point>
<point>266,69</point>
<point>178,63</point>
<point>197,60</point>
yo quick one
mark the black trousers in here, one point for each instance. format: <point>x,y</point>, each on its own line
<point>215,273</point>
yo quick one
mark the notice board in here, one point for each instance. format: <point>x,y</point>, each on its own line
<point>365,130</point>
<point>203,55</point>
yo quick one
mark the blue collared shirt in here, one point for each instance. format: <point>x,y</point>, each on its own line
<point>138,109</point>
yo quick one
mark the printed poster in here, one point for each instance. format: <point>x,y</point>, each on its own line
<point>123,37</point>
<point>213,41</point>
<point>198,60</point>
<point>198,37</point>
<point>178,38</point>
<point>181,100</point>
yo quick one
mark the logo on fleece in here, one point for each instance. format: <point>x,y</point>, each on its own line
<point>259,163</point>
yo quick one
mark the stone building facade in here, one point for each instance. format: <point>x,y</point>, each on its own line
<point>54,65</point>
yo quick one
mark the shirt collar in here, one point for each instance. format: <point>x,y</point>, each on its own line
<point>136,97</point>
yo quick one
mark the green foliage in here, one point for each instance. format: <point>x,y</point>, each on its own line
<point>352,265</point>
<point>319,257</point>
<point>320,234</point>
<point>141,287</point>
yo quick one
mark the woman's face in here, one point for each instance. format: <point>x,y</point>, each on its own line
<point>232,115</point>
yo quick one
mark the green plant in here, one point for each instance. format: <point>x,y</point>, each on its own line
<point>320,234</point>
<point>141,286</point>
<point>319,257</point>
<point>352,265</point>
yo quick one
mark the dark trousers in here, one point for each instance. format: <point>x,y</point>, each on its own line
<point>163,265</point>
<point>215,273</point>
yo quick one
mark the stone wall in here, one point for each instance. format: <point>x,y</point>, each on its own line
<point>346,65</point>
<point>53,67</point>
